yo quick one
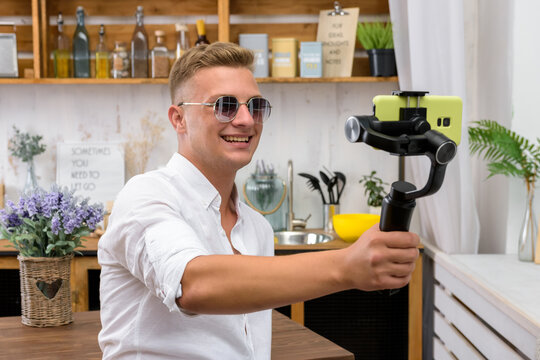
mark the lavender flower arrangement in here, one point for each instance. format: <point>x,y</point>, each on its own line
<point>49,224</point>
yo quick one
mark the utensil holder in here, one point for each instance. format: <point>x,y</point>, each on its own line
<point>329,210</point>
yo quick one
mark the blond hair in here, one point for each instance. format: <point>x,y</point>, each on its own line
<point>206,56</point>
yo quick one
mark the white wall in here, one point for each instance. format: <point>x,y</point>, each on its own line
<point>526,118</point>
<point>306,126</point>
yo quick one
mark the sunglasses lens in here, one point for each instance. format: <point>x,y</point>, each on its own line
<point>226,108</point>
<point>259,108</point>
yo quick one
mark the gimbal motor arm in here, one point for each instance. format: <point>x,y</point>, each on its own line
<point>405,138</point>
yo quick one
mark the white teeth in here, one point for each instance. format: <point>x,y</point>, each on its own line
<point>236,138</point>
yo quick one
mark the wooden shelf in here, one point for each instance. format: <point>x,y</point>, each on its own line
<point>38,37</point>
<point>353,79</point>
<point>73,81</point>
<point>90,81</point>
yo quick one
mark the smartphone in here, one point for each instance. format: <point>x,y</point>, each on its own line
<point>443,113</point>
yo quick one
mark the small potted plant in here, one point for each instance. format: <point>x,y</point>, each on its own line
<point>25,147</point>
<point>377,39</point>
<point>46,228</point>
<point>511,155</point>
<point>374,189</point>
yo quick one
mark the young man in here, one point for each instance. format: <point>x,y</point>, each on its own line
<point>187,269</point>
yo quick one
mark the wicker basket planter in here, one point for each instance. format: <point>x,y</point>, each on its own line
<point>45,290</point>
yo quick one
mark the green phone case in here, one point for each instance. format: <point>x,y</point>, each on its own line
<point>443,112</point>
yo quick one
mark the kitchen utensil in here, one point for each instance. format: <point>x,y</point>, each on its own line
<point>326,181</point>
<point>314,184</point>
<point>342,180</point>
<point>350,227</point>
<point>331,184</point>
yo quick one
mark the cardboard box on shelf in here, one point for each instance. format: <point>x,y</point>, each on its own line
<point>284,57</point>
<point>258,43</point>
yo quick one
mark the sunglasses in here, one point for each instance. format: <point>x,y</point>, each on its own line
<point>226,108</point>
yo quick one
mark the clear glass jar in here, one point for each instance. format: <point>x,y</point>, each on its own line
<point>160,56</point>
<point>120,61</point>
<point>266,194</point>
<point>182,40</point>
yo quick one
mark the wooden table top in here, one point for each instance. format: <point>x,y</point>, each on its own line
<point>78,340</point>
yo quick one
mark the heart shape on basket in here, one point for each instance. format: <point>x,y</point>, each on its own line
<point>49,289</point>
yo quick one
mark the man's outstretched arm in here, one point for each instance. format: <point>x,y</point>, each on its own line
<point>232,284</point>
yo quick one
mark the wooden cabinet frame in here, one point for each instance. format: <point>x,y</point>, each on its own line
<point>256,16</point>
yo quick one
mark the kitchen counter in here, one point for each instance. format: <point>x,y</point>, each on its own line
<point>78,340</point>
<point>492,299</point>
<point>90,245</point>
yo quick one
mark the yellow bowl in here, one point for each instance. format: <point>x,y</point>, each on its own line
<point>349,227</point>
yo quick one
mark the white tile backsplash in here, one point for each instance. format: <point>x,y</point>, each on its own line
<point>306,126</point>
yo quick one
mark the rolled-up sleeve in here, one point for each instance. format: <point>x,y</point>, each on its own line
<point>169,247</point>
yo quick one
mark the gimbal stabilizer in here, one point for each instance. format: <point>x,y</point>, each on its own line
<point>408,136</point>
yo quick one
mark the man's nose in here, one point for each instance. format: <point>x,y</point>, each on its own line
<point>243,116</point>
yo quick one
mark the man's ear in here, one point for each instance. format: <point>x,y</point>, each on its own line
<point>177,119</point>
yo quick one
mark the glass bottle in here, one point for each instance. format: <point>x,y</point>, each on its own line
<point>182,40</point>
<point>201,31</point>
<point>61,55</point>
<point>139,48</point>
<point>102,56</point>
<point>81,47</point>
<point>120,61</point>
<point>160,56</point>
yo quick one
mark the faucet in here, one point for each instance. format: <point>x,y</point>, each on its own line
<point>293,223</point>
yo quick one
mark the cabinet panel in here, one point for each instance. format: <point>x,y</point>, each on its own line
<point>372,325</point>
<point>128,7</point>
<point>15,8</point>
<point>267,7</point>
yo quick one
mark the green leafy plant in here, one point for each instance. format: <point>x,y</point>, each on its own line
<point>48,224</point>
<point>373,188</point>
<point>25,146</point>
<point>375,35</point>
<point>507,152</point>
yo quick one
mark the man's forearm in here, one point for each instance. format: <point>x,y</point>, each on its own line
<point>228,284</point>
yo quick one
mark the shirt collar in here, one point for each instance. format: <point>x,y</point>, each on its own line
<point>207,193</point>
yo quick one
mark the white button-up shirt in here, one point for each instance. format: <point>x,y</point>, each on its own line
<point>161,220</point>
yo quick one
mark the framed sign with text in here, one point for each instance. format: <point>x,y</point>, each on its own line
<point>338,36</point>
<point>92,169</point>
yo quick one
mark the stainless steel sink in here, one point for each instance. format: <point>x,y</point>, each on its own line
<point>300,238</point>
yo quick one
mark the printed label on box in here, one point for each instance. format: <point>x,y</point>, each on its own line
<point>311,59</point>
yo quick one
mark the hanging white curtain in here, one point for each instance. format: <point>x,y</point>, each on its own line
<point>430,54</point>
